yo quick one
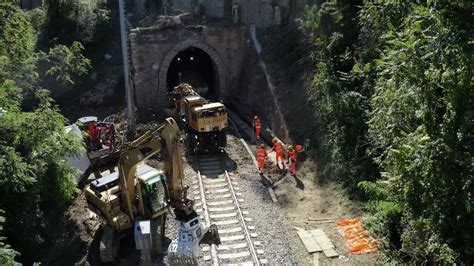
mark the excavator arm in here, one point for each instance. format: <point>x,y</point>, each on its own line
<point>138,188</point>
<point>164,141</point>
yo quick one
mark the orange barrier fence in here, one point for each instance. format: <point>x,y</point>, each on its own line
<point>357,240</point>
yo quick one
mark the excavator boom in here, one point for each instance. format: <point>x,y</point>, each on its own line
<point>139,193</point>
<point>164,140</point>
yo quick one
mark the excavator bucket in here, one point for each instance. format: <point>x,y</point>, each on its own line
<point>183,258</point>
<point>211,236</point>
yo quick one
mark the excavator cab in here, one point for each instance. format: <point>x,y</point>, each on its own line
<point>153,190</point>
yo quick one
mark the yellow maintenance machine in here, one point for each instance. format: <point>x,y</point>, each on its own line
<point>205,121</point>
<point>138,196</point>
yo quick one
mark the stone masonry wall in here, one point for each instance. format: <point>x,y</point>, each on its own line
<point>152,50</point>
<point>255,98</point>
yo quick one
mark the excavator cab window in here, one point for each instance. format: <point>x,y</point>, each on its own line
<point>154,194</point>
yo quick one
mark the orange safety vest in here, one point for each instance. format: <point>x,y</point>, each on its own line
<point>261,155</point>
<point>278,147</point>
<point>292,159</point>
<point>292,154</point>
<point>257,123</point>
<point>93,131</point>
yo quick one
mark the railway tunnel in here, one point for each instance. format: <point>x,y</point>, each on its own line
<point>196,67</point>
<point>219,59</point>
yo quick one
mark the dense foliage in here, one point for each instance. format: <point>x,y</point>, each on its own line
<point>392,94</point>
<point>78,20</point>
<point>36,183</point>
<point>7,254</point>
<point>17,44</point>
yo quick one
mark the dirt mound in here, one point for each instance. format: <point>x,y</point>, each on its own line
<point>77,229</point>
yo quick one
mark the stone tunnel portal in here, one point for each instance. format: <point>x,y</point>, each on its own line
<point>196,67</point>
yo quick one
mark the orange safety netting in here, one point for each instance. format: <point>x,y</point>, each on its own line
<point>357,240</point>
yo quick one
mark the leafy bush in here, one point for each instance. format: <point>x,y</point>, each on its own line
<point>334,92</point>
<point>78,20</point>
<point>393,103</point>
<point>7,254</point>
<point>17,44</point>
<point>420,121</point>
<point>63,61</point>
<point>36,183</point>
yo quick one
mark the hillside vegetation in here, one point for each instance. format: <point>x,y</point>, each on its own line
<point>392,94</point>
<point>390,90</point>
<point>36,183</point>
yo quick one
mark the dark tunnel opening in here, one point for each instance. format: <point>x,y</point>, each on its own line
<point>194,66</point>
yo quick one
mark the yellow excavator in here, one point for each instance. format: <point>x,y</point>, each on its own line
<point>138,196</point>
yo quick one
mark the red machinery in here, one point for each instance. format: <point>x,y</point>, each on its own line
<point>99,138</point>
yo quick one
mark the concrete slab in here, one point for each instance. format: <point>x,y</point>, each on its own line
<point>324,242</point>
<point>308,241</point>
<point>330,253</point>
<point>316,259</point>
<point>317,232</point>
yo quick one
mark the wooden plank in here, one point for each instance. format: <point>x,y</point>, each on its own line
<point>272,195</point>
<point>320,219</point>
<point>324,242</point>
<point>316,259</point>
<point>330,253</point>
<point>308,241</point>
<point>317,232</point>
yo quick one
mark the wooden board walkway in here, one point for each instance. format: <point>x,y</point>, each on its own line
<point>316,240</point>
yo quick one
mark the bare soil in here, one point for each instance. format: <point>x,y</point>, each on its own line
<point>314,205</point>
<point>77,236</point>
<point>308,202</point>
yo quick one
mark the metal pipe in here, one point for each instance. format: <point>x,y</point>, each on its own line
<point>123,38</point>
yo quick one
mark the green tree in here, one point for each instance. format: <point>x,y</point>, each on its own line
<point>422,124</point>
<point>36,183</point>
<point>7,254</point>
<point>335,92</point>
<point>393,105</point>
<point>63,62</point>
<point>78,20</point>
<point>17,46</point>
<point>35,180</point>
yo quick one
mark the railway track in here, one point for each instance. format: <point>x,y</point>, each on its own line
<point>219,201</point>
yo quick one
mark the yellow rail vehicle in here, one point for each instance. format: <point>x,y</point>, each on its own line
<point>206,123</point>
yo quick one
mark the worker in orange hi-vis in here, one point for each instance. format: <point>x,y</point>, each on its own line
<point>93,132</point>
<point>278,149</point>
<point>257,126</point>
<point>261,156</point>
<point>292,159</point>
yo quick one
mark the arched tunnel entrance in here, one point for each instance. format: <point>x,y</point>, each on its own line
<point>196,67</point>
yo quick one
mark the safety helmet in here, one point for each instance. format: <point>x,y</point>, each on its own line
<point>290,147</point>
<point>256,116</point>
<point>274,140</point>
<point>262,146</point>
